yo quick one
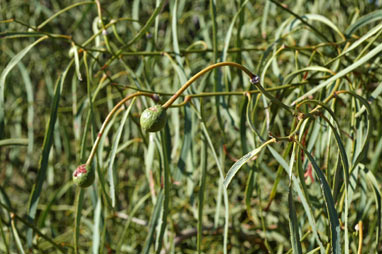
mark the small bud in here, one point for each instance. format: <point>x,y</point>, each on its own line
<point>156,97</point>
<point>153,119</point>
<point>84,176</point>
<point>255,79</point>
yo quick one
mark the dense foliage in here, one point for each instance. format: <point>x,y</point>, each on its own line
<point>284,161</point>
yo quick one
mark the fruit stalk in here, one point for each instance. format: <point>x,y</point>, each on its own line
<point>107,120</point>
<point>84,175</point>
<point>200,73</point>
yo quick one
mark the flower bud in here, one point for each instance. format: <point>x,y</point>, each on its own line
<point>84,176</point>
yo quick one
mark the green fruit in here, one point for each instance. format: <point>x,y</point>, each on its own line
<point>154,118</point>
<point>84,176</point>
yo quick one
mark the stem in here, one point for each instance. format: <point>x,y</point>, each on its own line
<point>298,126</point>
<point>360,238</point>
<point>107,120</point>
<point>104,31</point>
<point>199,74</point>
<point>271,97</point>
<point>189,51</point>
<point>61,12</point>
<point>210,94</point>
<point>302,20</point>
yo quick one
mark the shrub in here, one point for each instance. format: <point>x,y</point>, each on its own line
<point>264,137</point>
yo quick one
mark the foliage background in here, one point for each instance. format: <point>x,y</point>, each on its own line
<point>48,126</point>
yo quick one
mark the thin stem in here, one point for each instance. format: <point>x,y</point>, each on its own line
<point>60,12</point>
<point>333,95</point>
<point>188,51</point>
<point>204,94</point>
<point>199,74</point>
<point>302,20</point>
<point>107,120</point>
<point>298,126</point>
<point>360,239</point>
<point>272,98</point>
<point>104,31</point>
<point>111,23</point>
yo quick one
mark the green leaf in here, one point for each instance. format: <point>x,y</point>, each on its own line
<point>153,223</point>
<point>96,239</point>
<point>135,209</point>
<point>146,26</point>
<point>162,223</point>
<point>225,194</point>
<point>63,11</point>
<point>43,165</point>
<point>342,73</point>
<point>302,194</point>
<point>229,31</point>
<point>335,237</point>
<point>367,19</point>
<point>17,237</point>
<point>292,75</point>
<point>14,142</point>
<point>78,214</point>
<point>113,153</point>
<point>358,42</point>
<point>14,61</point>
<point>373,183</point>
<point>239,163</point>
<point>293,224</point>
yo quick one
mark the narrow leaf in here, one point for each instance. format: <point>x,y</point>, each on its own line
<point>238,164</point>
<point>293,224</point>
<point>14,61</point>
<point>342,73</point>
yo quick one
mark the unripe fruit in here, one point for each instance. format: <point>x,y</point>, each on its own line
<point>83,176</point>
<point>153,119</point>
